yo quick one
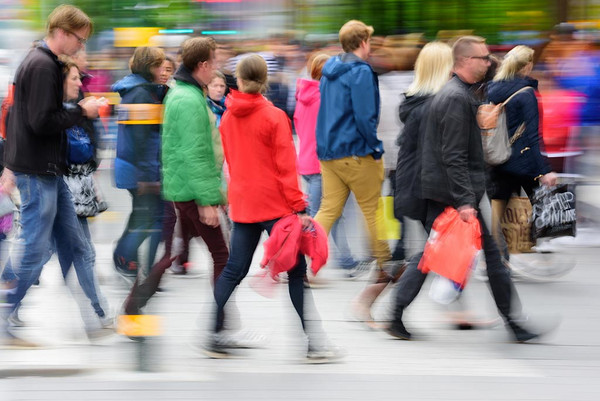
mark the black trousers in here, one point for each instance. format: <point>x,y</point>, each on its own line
<point>501,285</point>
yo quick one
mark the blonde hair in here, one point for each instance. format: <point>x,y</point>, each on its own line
<point>252,70</point>
<point>68,18</point>
<point>316,66</point>
<point>462,47</point>
<point>353,33</point>
<point>432,69</point>
<point>514,61</point>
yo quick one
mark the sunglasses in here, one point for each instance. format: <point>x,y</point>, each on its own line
<point>487,57</point>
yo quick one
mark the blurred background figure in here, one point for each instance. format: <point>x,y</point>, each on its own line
<point>137,165</point>
<point>305,121</point>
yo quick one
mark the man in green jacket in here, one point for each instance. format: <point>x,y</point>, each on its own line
<point>192,161</point>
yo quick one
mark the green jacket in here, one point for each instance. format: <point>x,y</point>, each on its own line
<point>192,155</point>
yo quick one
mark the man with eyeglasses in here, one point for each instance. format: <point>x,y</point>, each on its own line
<point>36,152</point>
<point>453,174</point>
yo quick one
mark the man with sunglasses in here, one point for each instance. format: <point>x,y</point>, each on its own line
<point>453,174</point>
<point>36,152</point>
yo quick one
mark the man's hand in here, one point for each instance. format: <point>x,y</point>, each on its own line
<point>466,211</point>
<point>89,105</point>
<point>549,179</point>
<point>209,215</point>
<point>151,187</point>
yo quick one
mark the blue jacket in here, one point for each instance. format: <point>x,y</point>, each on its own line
<point>526,159</point>
<point>138,137</point>
<point>349,111</point>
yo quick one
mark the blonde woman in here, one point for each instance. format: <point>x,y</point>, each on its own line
<point>527,167</point>
<point>432,71</point>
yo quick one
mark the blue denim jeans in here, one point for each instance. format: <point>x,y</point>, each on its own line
<point>244,240</point>
<point>48,215</point>
<point>344,258</point>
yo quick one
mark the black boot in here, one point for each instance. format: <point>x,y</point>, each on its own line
<point>396,328</point>
<point>520,334</point>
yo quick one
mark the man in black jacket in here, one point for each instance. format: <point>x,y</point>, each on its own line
<point>452,174</point>
<point>36,151</point>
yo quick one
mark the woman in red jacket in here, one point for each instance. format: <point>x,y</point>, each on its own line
<point>263,187</point>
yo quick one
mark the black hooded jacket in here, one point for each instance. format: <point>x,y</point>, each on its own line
<point>407,198</point>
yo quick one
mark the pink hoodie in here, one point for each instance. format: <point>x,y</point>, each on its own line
<point>305,120</point>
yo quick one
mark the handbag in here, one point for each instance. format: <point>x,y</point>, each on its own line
<point>553,212</point>
<point>84,192</point>
<point>491,118</point>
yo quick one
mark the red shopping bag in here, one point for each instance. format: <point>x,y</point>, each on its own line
<point>452,246</point>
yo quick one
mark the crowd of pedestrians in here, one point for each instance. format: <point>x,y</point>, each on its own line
<point>204,156</point>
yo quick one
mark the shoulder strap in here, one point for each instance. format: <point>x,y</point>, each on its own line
<point>515,94</point>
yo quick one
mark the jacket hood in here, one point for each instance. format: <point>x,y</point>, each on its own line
<point>308,91</point>
<point>129,82</point>
<point>241,104</point>
<point>409,104</point>
<point>184,75</point>
<point>338,65</point>
<point>499,91</point>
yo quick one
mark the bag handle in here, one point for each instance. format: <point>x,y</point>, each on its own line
<point>515,94</point>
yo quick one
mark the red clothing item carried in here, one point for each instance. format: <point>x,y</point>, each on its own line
<point>259,149</point>
<point>288,240</point>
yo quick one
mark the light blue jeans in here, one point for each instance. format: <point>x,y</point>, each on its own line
<point>344,258</point>
<point>48,215</point>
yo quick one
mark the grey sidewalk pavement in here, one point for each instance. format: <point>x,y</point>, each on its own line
<point>443,364</point>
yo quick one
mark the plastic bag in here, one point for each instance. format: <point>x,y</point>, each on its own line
<point>553,212</point>
<point>387,225</point>
<point>452,246</point>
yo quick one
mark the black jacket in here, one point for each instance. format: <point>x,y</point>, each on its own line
<point>453,168</point>
<point>407,198</point>
<point>526,159</point>
<point>36,142</point>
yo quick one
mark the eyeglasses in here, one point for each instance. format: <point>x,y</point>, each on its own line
<point>82,41</point>
<point>487,57</point>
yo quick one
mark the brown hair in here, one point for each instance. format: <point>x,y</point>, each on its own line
<point>145,58</point>
<point>463,45</point>
<point>218,74</point>
<point>67,64</point>
<point>197,50</point>
<point>316,66</point>
<point>252,70</point>
<point>353,33</point>
<point>68,18</point>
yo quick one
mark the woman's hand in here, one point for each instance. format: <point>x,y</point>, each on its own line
<point>7,181</point>
<point>305,220</point>
<point>549,179</point>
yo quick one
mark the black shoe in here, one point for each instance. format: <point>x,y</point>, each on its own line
<point>397,329</point>
<point>214,349</point>
<point>520,334</point>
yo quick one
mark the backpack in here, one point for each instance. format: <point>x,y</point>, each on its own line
<point>6,106</point>
<point>491,119</point>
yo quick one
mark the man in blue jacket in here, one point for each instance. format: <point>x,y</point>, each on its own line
<point>347,143</point>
